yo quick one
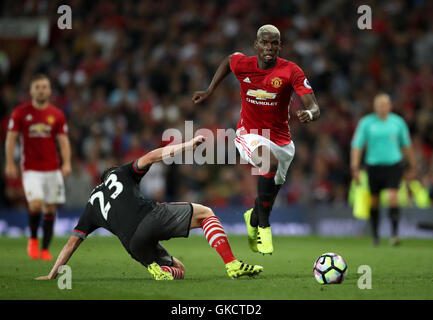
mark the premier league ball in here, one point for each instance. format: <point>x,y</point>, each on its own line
<point>330,268</point>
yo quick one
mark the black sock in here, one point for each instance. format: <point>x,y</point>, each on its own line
<point>254,222</point>
<point>374,219</point>
<point>394,215</point>
<point>267,192</point>
<point>34,218</point>
<point>48,228</point>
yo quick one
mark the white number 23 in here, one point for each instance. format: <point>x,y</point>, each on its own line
<point>111,182</point>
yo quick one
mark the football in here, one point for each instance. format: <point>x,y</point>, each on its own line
<point>330,268</point>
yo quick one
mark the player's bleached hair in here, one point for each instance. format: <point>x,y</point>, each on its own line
<point>267,28</point>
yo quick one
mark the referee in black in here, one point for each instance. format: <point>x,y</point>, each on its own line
<point>386,137</point>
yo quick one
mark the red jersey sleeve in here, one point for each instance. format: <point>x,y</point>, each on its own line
<point>61,125</point>
<point>299,82</point>
<point>15,121</point>
<point>234,60</point>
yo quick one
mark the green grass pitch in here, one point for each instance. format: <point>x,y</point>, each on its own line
<point>102,269</point>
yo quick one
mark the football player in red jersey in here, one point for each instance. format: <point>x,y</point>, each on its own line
<point>39,123</point>
<point>267,83</point>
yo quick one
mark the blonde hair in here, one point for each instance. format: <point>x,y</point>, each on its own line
<point>267,28</point>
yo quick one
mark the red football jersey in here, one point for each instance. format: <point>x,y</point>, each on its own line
<point>38,129</point>
<point>266,95</point>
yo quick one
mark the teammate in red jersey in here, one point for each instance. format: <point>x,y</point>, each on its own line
<point>263,137</point>
<point>39,123</point>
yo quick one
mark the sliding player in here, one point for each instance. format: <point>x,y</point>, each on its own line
<point>140,224</point>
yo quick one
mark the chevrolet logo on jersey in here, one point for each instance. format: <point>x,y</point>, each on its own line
<point>39,130</point>
<point>260,94</point>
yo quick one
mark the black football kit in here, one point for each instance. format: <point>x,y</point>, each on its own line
<point>139,223</point>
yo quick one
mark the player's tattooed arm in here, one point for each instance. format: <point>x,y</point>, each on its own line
<point>168,152</point>
<point>312,111</point>
<point>222,71</point>
<point>63,257</point>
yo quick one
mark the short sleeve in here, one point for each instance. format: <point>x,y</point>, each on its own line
<point>132,169</point>
<point>85,225</point>
<point>299,82</point>
<point>359,137</point>
<point>234,60</point>
<point>404,135</point>
<point>15,121</point>
<point>61,125</point>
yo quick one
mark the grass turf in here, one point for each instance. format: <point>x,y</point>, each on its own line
<point>102,269</point>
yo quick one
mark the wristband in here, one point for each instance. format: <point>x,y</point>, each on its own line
<point>310,114</point>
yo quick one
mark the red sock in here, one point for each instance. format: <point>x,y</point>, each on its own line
<point>217,238</point>
<point>175,272</point>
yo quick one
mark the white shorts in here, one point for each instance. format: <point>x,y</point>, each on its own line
<point>44,185</point>
<point>247,143</point>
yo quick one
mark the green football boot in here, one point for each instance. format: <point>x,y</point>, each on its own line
<point>157,273</point>
<point>236,269</point>
<point>252,231</point>
<point>264,240</point>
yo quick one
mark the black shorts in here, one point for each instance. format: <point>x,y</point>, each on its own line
<point>166,221</point>
<point>384,177</point>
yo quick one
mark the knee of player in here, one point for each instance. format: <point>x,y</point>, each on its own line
<point>178,264</point>
<point>208,212</point>
<point>35,206</point>
<point>182,268</point>
<point>49,212</point>
<point>49,208</point>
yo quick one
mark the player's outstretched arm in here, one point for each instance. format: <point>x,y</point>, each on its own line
<point>168,151</point>
<point>63,257</point>
<point>312,111</point>
<point>222,71</point>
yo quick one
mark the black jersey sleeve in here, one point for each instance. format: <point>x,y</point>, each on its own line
<point>136,173</point>
<point>86,224</point>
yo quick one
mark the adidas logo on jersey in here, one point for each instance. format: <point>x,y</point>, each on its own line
<point>247,79</point>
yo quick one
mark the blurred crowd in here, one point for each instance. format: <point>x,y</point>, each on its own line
<point>126,72</point>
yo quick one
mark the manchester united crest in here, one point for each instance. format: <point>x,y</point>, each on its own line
<point>276,82</point>
<point>50,119</point>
